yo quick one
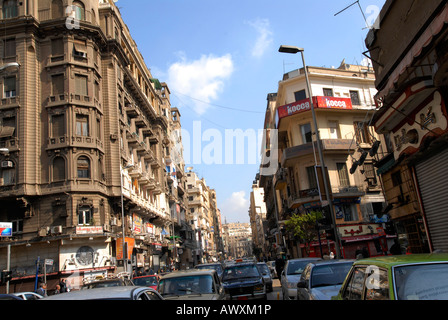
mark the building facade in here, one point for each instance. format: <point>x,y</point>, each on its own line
<point>89,160</point>
<point>257,214</point>
<point>409,55</point>
<point>344,105</point>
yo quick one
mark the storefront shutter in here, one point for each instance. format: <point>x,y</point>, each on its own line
<point>431,176</point>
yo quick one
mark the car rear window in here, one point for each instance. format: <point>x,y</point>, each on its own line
<point>145,281</point>
<point>422,282</point>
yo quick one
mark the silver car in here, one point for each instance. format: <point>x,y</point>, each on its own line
<point>291,276</point>
<point>266,274</point>
<point>322,279</point>
<point>110,293</point>
<point>28,295</point>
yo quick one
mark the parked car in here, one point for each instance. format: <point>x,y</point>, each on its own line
<point>109,293</point>
<point>121,279</point>
<point>191,284</point>
<point>266,274</point>
<point>401,277</point>
<point>28,295</point>
<point>271,265</point>
<point>146,281</point>
<point>243,281</point>
<point>215,266</point>
<point>321,280</point>
<point>291,275</point>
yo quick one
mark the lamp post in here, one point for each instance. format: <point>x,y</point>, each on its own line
<point>294,50</point>
<point>124,244</point>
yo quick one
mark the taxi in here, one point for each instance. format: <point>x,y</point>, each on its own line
<point>401,277</point>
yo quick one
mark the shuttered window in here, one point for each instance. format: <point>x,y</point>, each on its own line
<point>57,125</point>
<point>82,125</point>
<point>57,47</point>
<point>81,85</point>
<point>58,169</point>
<point>343,174</point>
<point>57,84</point>
<point>10,47</point>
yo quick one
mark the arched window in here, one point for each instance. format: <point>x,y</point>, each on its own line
<point>57,9</point>
<point>80,10</point>
<point>10,9</point>
<point>83,166</point>
<point>58,169</point>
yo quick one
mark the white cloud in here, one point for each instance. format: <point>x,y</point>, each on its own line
<point>264,39</point>
<point>235,208</point>
<point>201,79</point>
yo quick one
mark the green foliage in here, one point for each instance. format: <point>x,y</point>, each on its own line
<point>303,226</point>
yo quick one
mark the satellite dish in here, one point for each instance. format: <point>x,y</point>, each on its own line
<point>190,168</point>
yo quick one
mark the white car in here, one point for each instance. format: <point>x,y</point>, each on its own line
<point>28,295</point>
<point>110,293</point>
<point>291,276</point>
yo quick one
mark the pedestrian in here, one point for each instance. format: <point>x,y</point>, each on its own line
<point>58,289</point>
<point>395,249</point>
<point>279,265</point>
<point>63,286</point>
<point>42,289</point>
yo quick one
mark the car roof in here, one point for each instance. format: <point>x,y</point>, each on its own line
<point>209,264</point>
<point>304,259</point>
<point>332,261</point>
<point>390,261</point>
<point>121,292</point>
<point>190,272</point>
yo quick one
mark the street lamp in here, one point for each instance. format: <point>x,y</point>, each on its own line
<point>124,244</point>
<point>294,50</point>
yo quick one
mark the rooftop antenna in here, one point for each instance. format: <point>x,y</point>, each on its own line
<point>356,2</point>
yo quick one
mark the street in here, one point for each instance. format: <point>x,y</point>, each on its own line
<point>276,294</point>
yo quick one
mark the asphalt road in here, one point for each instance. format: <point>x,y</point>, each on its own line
<point>276,294</point>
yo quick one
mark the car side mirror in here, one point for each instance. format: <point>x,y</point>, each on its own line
<point>302,284</point>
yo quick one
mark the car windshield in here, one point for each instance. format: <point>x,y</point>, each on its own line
<point>240,271</point>
<point>263,268</point>
<point>103,284</point>
<point>330,275</point>
<point>422,282</point>
<point>186,285</point>
<point>145,281</point>
<point>296,267</point>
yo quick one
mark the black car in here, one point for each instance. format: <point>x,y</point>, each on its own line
<point>243,281</point>
<point>214,266</point>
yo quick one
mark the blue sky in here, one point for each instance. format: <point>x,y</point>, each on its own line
<point>220,59</point>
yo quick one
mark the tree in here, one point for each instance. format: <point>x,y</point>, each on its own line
<point>303,226</point>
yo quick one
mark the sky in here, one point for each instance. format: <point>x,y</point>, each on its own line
<point>220,60</point>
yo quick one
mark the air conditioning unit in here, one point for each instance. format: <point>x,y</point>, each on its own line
<point>56,230</point>
<point>113,221</point>
<point>7,164</point>
<point>43,232</point>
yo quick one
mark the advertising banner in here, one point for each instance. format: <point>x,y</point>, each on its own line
<point>130,244</point>
<point>5,229</point>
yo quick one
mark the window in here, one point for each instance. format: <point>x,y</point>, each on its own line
<point>80,12</point>
<point>57,84</point>
<point>81,85</point>
<point>369,172</point>
<point>333,127</point>
<point>396,178</point>
<point>9,176</point>
<point>58,169</point>
<point>10,47</point>
<point>354,95</point>
<point>57,47</point>
<point>344,180</point>
<point>82,125</point>
<point>57,9</point>
<point>8,128</point>
<point>300,95</point>
<point>306,133</point>
<point>83,166</point>
<point>57,125</point>
<point>10,9</point>
<point>97,90</point>
<point>80,48</point>
<point>355,285</point>
<point>85,216</point>
<point>9,87</point>
<point>311,172</point>
<point>346,211</point>
<point>328,92</point>
<point>362,132</point>
<point>377,285</point>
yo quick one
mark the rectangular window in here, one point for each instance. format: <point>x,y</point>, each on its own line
<point>362,132</point>
<point>9,87</point>
<point>57,84</point>
<point>306,133</point>
<point>85,216</point>
<point>81,85</point>
<point>82,125</point>
<point>8,128</point>
<point>344,180</point>
<point>354,95</point>
<point>80,49</point>
<point>97,90</point>
<point>10,48</point>
<point>57,125</point>
<point>57,47</point>
<point>300,95</point>
<point>328,92</point>
<point>311,172</point>
<point>9,176</point>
